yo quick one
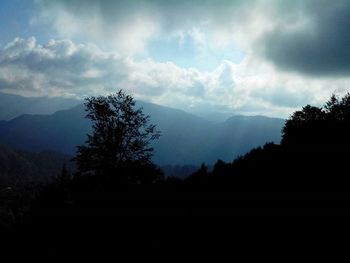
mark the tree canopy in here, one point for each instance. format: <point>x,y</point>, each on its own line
<point>323,129</point>
<point>121,136</point>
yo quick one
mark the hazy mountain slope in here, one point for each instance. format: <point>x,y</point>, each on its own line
<point>242,133</point>
<point>14,167</point>
<point>186,138</point>
<point>61,131</point>
<point>12,106</point>
<point>21,166</point>
<point>49,163</point>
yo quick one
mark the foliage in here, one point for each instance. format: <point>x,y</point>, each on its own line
<point>320,129</point>
<point>121,137</point>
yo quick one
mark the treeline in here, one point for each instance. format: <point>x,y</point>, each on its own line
<point>117,189</point>
<point>22,176</point>
<point>314,153</point>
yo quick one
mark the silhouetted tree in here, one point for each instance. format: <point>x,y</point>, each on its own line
<point>65,177</point>
<point>302,125</point>
<point>314,152</point>
<point>320,130</point>
<point>120,139</point>
<point>221,168</point>
<point>199,177</point>
<point>338,109</point>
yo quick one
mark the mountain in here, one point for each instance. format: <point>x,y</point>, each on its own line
<point>61,131</point>
<point>214,116</point>
<point>23,166</point>
<point>14,166</point>
<point>12,106</point>
<point>21,175</point>
<point>242,133</point>
<point>186,138</point>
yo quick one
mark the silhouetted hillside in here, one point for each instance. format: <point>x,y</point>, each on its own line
<point>314,152</point>
<point>19,167</point>
<point>186,138</point>
<point>14,167</point>
<point>285,191</point>
<point>22,175</point>
<point>12,106</point>
<point>179,171</point>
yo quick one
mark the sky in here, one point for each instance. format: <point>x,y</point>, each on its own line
<point>253,57</point>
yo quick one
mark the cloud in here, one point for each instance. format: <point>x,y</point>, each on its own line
<point>266,57</point>
<point>308,37</point>
<point>58,68</point>
<point>128,26</point>
<point>114,25</point>
<point>64,68</point>
<point>315,42</point>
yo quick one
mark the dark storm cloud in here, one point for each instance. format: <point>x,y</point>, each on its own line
<point>321,48</point>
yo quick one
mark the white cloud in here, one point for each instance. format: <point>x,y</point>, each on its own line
<point>57,68</point>
<point>64,68</point>
<point>124,28</point>
<point>113,27</point>
<point>128,26</point>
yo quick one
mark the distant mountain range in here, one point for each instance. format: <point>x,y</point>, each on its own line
<point>12,106</point>
<point>186,138</point>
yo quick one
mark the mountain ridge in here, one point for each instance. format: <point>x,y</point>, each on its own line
<point>186,139</point>
<point>12,106</point>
